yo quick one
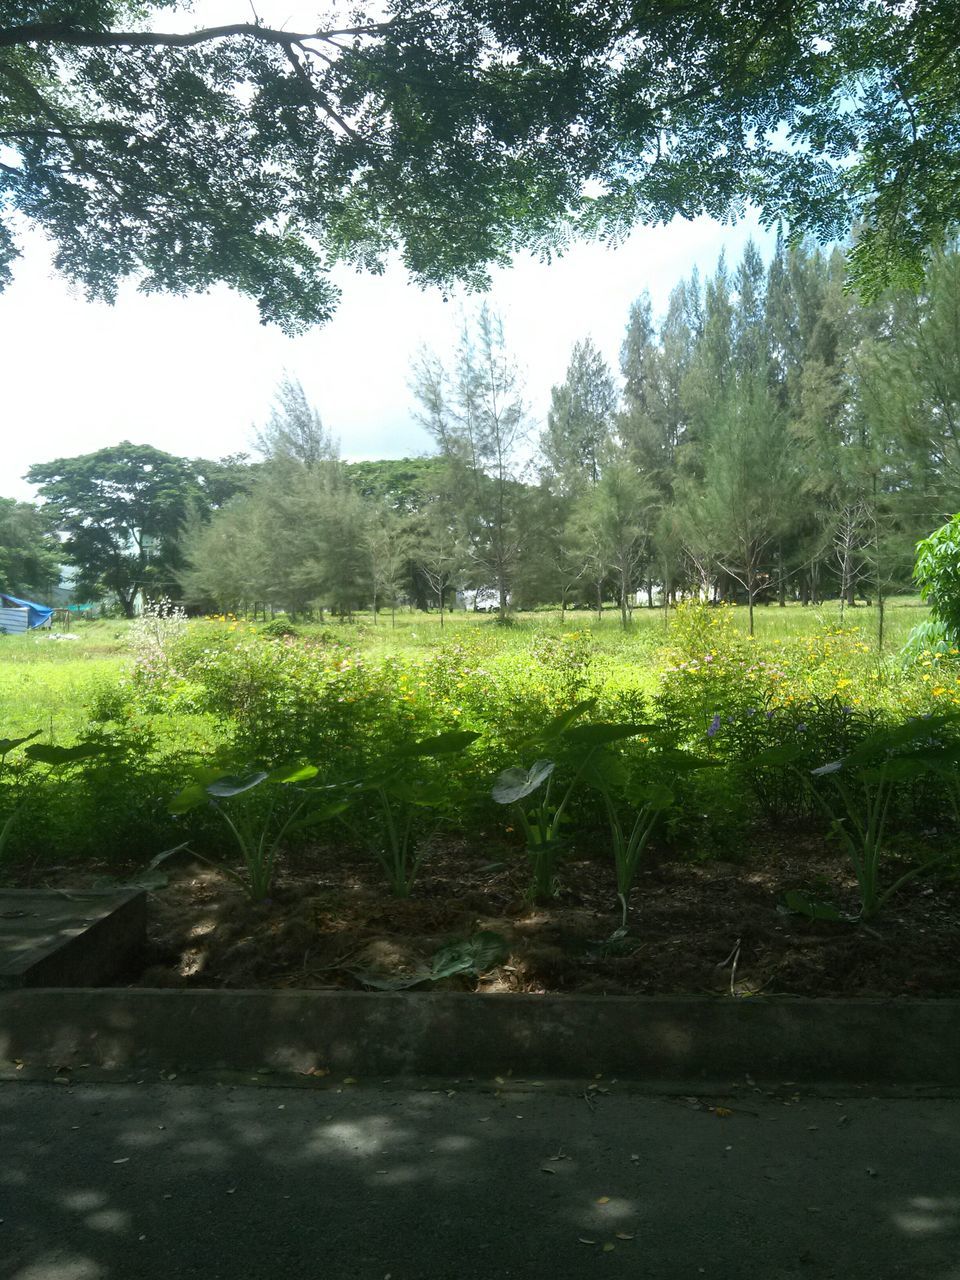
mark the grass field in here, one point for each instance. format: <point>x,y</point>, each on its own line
<point>236,694</point>
<point>48,684</point>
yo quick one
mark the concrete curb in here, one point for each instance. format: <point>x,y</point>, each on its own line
<point>69,939</point>
<point>883,1042</point>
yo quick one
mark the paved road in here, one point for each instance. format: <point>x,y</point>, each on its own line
<point>170,1181</point>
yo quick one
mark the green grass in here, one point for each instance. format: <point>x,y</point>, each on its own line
<point>48,685</point>
<point>230,695</point>
<point>418,631</point>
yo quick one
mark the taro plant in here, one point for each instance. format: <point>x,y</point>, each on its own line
<point>634,806</point>
<point>258,838</point>
<point>855,794</point>
<point>400,794</point>
<point>540,811</point>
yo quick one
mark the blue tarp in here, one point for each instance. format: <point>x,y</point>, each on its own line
<point>37,614</point>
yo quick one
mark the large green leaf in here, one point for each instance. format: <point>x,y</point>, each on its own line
<point>476,955</point>
<point>899,769</point>
<point>316,817</point>
<point>293,773</point>
<point>443,744</point>
<point>600,735</point>
<point>561,723</point>
<point>189,798</point>
<point>235,785</point>
<point>885,741</point>
<point>673,761</point>
<point>606,772</point>
<point>517,783</point>
<point>801,904</point>
<point>655,796</point>
<point>776,757</point>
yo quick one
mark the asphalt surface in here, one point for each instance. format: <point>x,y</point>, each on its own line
<point>150,1181</point>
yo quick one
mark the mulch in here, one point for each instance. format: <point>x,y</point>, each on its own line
<point>694,927</point>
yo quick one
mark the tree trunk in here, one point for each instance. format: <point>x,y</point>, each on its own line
<point>782,579</point>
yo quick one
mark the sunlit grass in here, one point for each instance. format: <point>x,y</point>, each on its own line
<point>48,684</point>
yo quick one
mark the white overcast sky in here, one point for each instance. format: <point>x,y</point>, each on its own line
<point>195,376</point>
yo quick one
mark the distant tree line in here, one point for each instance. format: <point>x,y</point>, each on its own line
<point>771,438</point>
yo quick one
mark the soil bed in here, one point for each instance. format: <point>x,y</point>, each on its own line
<point>694,928</point>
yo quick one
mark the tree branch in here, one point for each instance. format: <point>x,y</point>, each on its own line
<point>59,33</point>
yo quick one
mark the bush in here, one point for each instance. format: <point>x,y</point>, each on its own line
<point>279,629</point>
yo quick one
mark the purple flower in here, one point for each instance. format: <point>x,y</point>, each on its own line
<point>751,711</point>
<point>768,714</point>
<point>801,728</point>
<point>708,657</point>
<point>713,726</point>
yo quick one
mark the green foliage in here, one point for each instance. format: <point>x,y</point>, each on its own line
<point>644,801</point>
<point>401,794</point>
<point>229,694</point>
<point>937,573</point>
<point>29,554</point>
<point>239,154</point>
<point>855,792</point>
<point>580,420</point>
<point>258,837</point>
<point>279,629</point>
<point>120,510</point>
<point>7,820</point>
<point>474,955</point>
<point>528,791</point>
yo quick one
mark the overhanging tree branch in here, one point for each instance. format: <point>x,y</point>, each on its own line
<point>62,33</point>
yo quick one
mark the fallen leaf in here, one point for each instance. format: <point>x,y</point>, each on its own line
<point>545,1168</point>
<point>584,1240</point>
<point>603,1200</point>
<point>349,1080</point>
<point>122,1160</point>
<point>625,1235</point>
<point>609,1247</point>
<point>722,1112</point>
